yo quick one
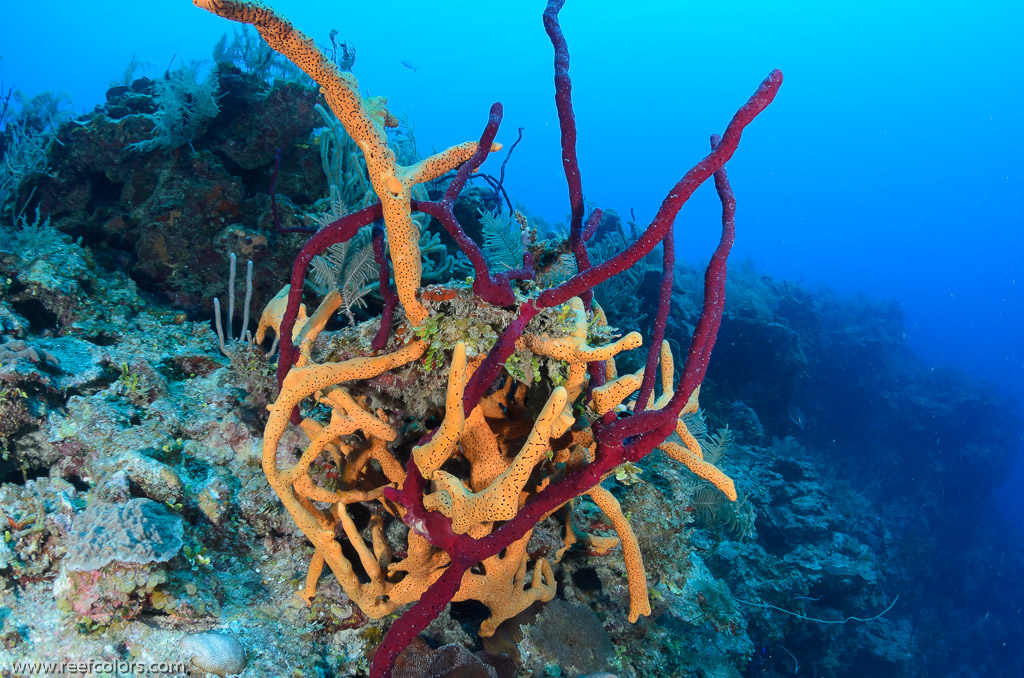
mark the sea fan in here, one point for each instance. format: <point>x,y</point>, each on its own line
<point>716,445</point>
<point>348,267</point>
<point>721,671</point>
<point>183,105</point>
<point>503,241</point>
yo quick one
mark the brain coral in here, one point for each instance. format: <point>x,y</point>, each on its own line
<point>141,531</point>
<point>216,653</point>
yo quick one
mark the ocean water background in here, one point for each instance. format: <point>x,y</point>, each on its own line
<point>889,165</point>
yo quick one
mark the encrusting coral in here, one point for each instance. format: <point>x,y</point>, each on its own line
<point>472,489</point>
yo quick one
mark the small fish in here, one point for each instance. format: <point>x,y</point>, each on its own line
<point>796,416</point>
<point>409,66</point>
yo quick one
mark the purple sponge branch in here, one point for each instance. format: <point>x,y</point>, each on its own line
<point>714,291</point>
<point>680,193</point>
<point>482,150</point>
<point>338,231</point>
<point>526,272</point>
<point>494,289</point>
<point>592,223</point>
<point>596,370</point>
<point>491,367</point>
<point>668,262</point>
<point>705,332</point>
<point>432,525</point>
<point>567,126</point>
<point>386,291</point>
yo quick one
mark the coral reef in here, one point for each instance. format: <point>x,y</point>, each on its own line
<point>483,440</point>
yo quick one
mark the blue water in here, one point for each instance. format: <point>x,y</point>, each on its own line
<point>890,163</point>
